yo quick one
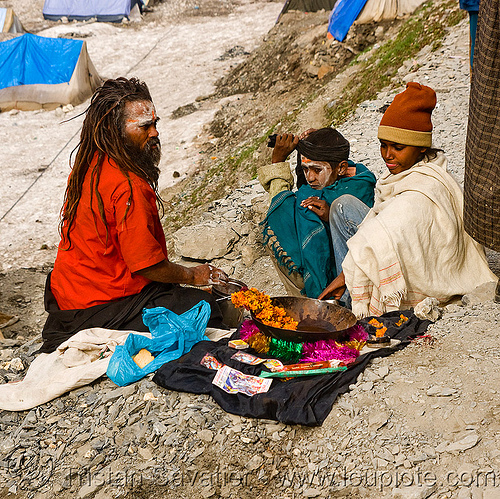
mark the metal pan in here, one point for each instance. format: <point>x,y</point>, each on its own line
<point>318,320</point>
<point>231,315</point>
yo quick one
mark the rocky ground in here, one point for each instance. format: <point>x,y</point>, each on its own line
<point>420,423</point>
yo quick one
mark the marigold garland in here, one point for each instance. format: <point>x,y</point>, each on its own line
<point>260,304</point>
<point>402,320</point>
<point>259,342</point>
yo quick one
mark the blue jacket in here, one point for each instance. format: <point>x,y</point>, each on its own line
<point>300,240</point>
<point>470,5</point>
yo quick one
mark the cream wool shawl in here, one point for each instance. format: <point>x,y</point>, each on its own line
<point>412,244</point>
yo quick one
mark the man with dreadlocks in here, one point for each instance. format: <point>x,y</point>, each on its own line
<point>332,191</point>
<point>112,260</point>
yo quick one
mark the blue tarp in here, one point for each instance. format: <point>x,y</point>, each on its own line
<point>342,17</point>
<point>31,59</point>
<point>81,10</point>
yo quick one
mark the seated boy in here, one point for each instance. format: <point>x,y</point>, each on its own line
<point>296,227</point>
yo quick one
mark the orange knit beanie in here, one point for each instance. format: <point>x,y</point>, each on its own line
<point>408,119</point>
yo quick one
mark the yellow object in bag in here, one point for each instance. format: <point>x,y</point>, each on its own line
<point>143,358</point>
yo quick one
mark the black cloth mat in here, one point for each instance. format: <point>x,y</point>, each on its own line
<point>306,401</point>
<point>122,315</point>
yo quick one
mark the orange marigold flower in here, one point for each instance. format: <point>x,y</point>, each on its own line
<point>402,320</point>
<point>260,304</point>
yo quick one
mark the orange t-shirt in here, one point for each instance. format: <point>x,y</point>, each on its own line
<point>99,268</point>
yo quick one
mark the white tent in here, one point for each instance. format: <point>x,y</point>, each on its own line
<point>381,10</point>
<point>83,10</point>
<point>9,22</point>
<point>346,12</point>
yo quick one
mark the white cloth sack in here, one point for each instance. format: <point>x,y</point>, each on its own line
<point>215,334</point>
<point>77,362</point>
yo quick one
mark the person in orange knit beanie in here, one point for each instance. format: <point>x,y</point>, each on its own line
<point>408,119</point>
<point>412,244</point>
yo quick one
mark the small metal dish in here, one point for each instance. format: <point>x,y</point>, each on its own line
<point>231,315</point>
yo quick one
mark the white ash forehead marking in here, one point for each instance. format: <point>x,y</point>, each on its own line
<point>140,115</point>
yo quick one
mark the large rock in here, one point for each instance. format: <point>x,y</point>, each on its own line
<point>249,254</point>
<point>311,36</point>
<point>440,391</point>
<point>204,242</point>
<point>461,445</point>
<point>483,293</point>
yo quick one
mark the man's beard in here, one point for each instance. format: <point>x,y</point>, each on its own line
<point>147,159</point>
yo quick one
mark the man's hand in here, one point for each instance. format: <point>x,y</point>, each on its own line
<point>335,289</point>
<point>201,275</point>
<point>285,144</point>
<point>208,274</point>
<point>318,206</point>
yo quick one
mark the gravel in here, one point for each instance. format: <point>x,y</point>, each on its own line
<point>420,423</point>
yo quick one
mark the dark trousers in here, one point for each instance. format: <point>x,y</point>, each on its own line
<point>124,314</point>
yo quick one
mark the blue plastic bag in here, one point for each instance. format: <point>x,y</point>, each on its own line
<point>172,336</point>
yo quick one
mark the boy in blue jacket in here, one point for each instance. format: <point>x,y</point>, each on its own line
<point>332,190</point>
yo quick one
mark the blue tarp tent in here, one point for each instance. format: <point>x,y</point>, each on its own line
<point>365,11</point>
<point>38,72</point>
<point>83,10</point>
<point>342,17</point>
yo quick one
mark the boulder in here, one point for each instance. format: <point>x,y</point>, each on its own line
<point>204,242</point>
<point>323,71</point>
<point>482,294</point>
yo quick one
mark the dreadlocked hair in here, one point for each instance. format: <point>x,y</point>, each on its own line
<point>102,132</point>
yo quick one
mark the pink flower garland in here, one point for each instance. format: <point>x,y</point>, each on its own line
<point>248,328</point>
<point>357,333</point>
<point>320,350</point>
<point>328,350</point>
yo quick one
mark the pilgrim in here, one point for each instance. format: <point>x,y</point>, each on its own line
<point>412,244</point>
<point>297,225</point>
<point>112,260</point>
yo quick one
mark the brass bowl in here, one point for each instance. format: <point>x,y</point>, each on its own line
<point>318,320</point>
